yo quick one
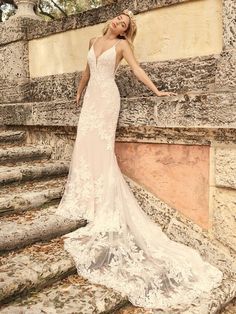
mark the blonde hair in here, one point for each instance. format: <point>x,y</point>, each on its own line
<point>131,31</point>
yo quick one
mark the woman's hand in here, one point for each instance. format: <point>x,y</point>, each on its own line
<point>160,93</point>
<point>78,98</point>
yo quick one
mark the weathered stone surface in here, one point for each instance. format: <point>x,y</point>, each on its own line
<point>14,91</point>
<point>34,226</point>
<point>40,264</point>
<point>10,136</point>
<point>229,24</point>
<point>19,114</point>
<point>225,167</point>
<point>226,71</point>
<point>26,152</point>
<point>187,110</point>
<point>224,220</point>
<point>35,170</point>
<point>12,31</point>
<point>181,75</point>
<point>71,295</point>
<point>14,61</point>
<point>30,199</point>
<point>33,266</point>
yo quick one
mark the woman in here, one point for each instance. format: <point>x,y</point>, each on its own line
<point>121,247</point>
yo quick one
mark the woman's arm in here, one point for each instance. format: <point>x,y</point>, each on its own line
<point>84,78</point>
<point>138,71</point>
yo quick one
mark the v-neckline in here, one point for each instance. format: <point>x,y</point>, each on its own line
<point>96,58</point>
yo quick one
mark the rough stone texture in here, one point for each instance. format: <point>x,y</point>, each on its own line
<point>226,71</point>
<point>225,167</point>
<point>181,75</point>
<point>36,170</point>
<point>42,224</point>
<point>40,264</point>
<point>229,23</point>
<point>15,113</point>
<point>14,61</point>
<point>224,217</point>
<point>176,135</point>
<point>13,31</point>
<point>188,110</point>
<point>71,295</point>
<point>33,266</point>
<point>17,202</point>
<point>15,91</point>
<point>12,136</point>
<point>24,153</point>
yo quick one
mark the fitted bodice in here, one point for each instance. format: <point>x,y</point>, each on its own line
<point>103,66</point>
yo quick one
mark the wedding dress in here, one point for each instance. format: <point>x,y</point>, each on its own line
<point>121,247</point>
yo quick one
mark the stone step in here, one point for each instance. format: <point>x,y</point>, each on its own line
<point>11,136</point>
<point>14,201</point>
<point>33,226</point>
<point>33,171</point>
<point>49,267</point>
<point>24,153</point>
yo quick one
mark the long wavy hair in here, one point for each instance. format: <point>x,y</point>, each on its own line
<point>131,31</point>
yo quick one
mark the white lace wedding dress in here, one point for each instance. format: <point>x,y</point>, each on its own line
<point>121,247</point>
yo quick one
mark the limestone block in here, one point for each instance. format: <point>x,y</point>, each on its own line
<point>12,30</point>
<point>225,167</point>
<point>229,23</point>
<point>14,60</point>
<point>224,217</point>
<point>226,71</point>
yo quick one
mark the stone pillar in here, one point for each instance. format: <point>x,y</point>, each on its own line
<point>26,9</point>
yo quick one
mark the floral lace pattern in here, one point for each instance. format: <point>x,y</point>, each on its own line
<point>121,247</point>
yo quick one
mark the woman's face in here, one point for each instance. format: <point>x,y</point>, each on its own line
<point>119,24</point>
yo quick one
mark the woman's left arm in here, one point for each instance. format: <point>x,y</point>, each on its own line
<point>138,71</point>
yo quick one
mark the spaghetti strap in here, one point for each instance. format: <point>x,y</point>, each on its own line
<point>117,42</point>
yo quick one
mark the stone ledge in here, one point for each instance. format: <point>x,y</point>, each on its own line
<point>195,74</point>
<point>189,110</point>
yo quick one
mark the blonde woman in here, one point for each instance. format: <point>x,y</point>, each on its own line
<point>120,246</point>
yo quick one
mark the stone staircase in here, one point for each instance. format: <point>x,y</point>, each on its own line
<point>31,247</point>
<point>36,274</point>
